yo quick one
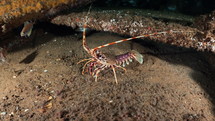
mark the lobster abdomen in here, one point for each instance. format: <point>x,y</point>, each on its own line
<point>127,57</point>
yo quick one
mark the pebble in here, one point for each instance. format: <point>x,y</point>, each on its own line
<point>5,98</point>
<point>3,113</point>
<point>11,114</point>
<point>45,71</point>
<point>26,110</point>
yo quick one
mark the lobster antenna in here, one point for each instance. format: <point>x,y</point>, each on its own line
<point>141,36</point>
<point>84,31</point>
<point>89,10</point>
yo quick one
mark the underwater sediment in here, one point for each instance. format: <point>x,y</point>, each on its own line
<point>133,23</point>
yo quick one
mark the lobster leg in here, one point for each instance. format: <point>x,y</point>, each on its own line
<point>88,61</point>
<point>114,72</point>
<point>96,75</point>
<point>121,68</point>
<point>97,71</point>
<point>84,60</point>
<point>90,69</point>
<point>85,66</point>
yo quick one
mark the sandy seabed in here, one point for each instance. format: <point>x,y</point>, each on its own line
<point>44,83</point>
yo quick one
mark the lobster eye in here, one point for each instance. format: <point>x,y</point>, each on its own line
<point>100,56</point>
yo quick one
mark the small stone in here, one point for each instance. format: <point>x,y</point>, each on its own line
<point>5,98</point>
<point>45,71</point>
<point>26,110</point>
<point>3,113</point>
<point>17,108</point>
<point>11,114</point>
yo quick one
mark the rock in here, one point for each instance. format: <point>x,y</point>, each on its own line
<point>3,113</point>
<point>134,23</point>
<point>13,13</point>
<point>206,23</point>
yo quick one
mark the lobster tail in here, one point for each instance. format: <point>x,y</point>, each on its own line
<point>137,56</point>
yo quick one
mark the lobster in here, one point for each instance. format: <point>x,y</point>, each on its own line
<point>100,61</point>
